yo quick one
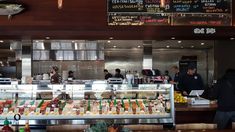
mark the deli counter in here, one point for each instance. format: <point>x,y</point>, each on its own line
<point>49,104</point>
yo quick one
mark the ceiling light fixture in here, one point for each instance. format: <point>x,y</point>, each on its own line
<point>114,46</point>
<point>110,37</point>
<point>139,46</point>
<point>109,41</point>
<point>232,38</point>
<point>60,4</point>
<point>202,43</point>
<point>181,47</point>
<point>1,41</point>
<point>168,46</point>
<point>76,46</point>
<point>172,38</point>
<point>192,46</point>
<point>47,37</point>
<point>179,41</point>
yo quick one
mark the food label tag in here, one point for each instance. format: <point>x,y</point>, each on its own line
<point>5,110</point>
<point>16,111</point>
<point>146,110</point>
<point>129,110</point>
<point>138,110</point>
<point>113,110</point>
<point>81,111</point>
<point>48,110</point>
<point>122,110</point>
<point>38,111</point>
<point>26,111</point>
<point>56,111</point>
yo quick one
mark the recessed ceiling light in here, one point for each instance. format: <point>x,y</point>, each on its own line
<point>181,47</point>
<point>192,46</point>
<point>114,46</point>
<point>172,38</point>
<point>232,38</point>
<point>179,41</point>
<point>73,41</point>
<point>1,41</point>
<point>47,37</point>
<point>37,41</point>
<point>202,43</point>
<point>168,46</point>
<point>109,41</point>
<point>139,46</point>
<point>110,37</point>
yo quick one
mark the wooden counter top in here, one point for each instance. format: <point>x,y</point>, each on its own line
<point>185,113</point>
<point>186,107</point>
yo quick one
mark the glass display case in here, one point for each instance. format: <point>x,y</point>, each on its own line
<point>83,104</point>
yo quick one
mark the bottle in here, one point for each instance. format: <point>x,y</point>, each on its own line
<point>27,128</point>
<point>6,127</point>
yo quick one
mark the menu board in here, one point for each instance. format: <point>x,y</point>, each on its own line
<point>170,12</point>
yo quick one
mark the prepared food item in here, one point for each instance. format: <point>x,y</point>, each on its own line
<point>178,98</point>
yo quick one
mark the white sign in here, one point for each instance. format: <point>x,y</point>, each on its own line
<point>204,31</point>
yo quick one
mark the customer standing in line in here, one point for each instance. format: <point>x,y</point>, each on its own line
<point>224,92</point>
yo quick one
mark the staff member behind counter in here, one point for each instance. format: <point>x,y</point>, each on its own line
<point>190,81</point>
<point>55,77</point>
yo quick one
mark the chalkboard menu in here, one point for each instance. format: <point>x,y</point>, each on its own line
<point>170,12</point>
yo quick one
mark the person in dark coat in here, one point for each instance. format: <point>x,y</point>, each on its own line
<point>118,74</point>
<point>177,76</point>
<point>55,78</point>
<point>224,92</point>
<point>191,81</point>
<point>107,74</point>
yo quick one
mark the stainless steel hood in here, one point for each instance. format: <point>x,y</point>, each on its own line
<point>147,55</point>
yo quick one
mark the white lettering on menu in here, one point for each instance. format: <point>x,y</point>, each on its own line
<point>204,31</point>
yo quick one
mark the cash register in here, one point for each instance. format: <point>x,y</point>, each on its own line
<point>196,99</point>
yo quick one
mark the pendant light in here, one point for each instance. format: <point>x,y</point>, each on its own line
<point>60,4</point>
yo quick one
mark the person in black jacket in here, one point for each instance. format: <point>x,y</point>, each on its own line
<point>118,74</point>
<point>224,92</point>
<point>107,74</point>
<point>190,81</point>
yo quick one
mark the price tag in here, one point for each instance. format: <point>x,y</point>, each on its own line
<point>137,110</point>
<point>38,111</point>
<point>56,111</point>
<point>82,111</point>
<point>154,109</point>
<point>146,110</point>
<point>26,111</point>
<point>121,110</point>
<point>48,110</point>
<point>130,110</point>
<point>16,111</point>
<point>5,110</point>
<point>113,110</point>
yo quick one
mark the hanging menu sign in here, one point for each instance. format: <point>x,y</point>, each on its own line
<point>170,12</point>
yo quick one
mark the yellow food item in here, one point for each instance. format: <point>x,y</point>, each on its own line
<point>178,98</point>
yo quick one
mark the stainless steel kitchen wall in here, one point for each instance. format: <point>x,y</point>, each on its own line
<point>164,59</point>
<point>125,59</point>
<point>82,69</point>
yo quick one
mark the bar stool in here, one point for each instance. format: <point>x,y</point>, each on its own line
<point>195,126</point>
